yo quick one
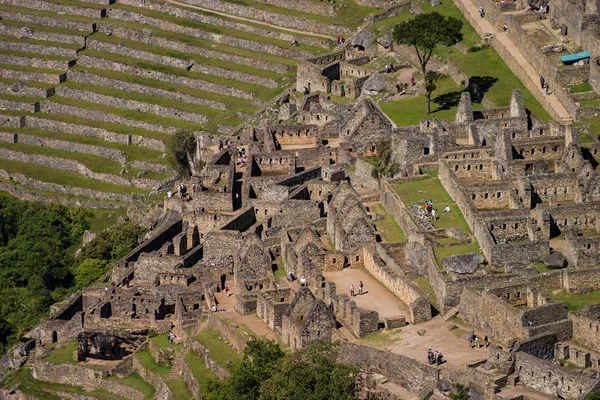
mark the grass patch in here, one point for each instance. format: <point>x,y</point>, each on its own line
<point>179,389</point>
<point>162,341</point>
<point>387,227</point>
<point>581,88</point>
<point>202,374</point>
<point>447,241</point>
<point>382,338</point>
<point>137,382</point>
<point>590,102</point>
<point>423,283</point>
<point>443,252</point>
<point>220,352</point>
<point>385,23</point>
<point>280,273</point>
<point>103,218</point>
<point>145,358</point>
<point>575,302</point>
<point>42,390</point>
<point>541,267</point>
<point>62,355</point>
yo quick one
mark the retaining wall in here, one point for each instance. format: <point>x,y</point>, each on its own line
<point>58,8</point>
<point>37,48</point>
<point>47,21</point>
<point>38,34</point>
<point>8,73</point>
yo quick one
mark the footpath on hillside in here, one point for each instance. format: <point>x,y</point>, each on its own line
<point>482,25</point>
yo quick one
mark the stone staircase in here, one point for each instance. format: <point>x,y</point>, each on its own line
<point>451,313</point>
<point>178,362</point>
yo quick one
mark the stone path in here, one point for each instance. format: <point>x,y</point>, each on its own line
<point>254,21</point>
<point>482,25</point>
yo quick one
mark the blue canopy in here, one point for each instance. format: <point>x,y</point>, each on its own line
<point>573,58</point>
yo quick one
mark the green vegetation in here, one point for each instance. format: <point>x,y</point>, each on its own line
<point>387,227</point>
<point>460,392</point>
<point>162,341</point>
<point>104,218</point>
<point>179,389</point>
<point>222,353</point>
<point>590,102</point>
<point>443,252</point>
<point>575,302</point>
<point>145,358</point>
<point>42,390</point>
<point>382,338</point>
<point>62,353</point>
<point>280,271</point>
<point>269,373</point>
<point>203,375</point>
<point>582,87</point>
<point>137,382</point>
<point>541,267</point>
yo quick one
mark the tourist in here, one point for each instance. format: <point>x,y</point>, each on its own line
<point>303,281</point>
<point>447,209</point>
<point>547,89</point>
<point>127,282</point>
<point>106,289</point>
<point>193,188</point>
<point>412,81</point>
<point>330,305</point>
<point>339,39</point>
<point>477,341</point>
<point>542,81</point>
<point>505,27</point>
<point>481,12</point>
<point>171,337</point>
<point>360,288</point>
<point>387,69</point>
<point>220,145</point>
<point>227,290</point>
<point>470,339</point>
<point>430,356</point>
<point>290,276</point>
<point>438,359</point>
<point>486,341</point>
<point>214,308</point>
<point>529,324</point>
<point>433,214</point>
<point>169,195</point>
<point>352,290</point>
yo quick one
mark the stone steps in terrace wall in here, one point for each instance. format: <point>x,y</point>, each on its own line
<point>23,193</point>
<point>75,166</point>
<point>25,32</point>
<point>219,55</point>
<point>19,105</point>
<point>287,21</point>
<point>181,12</point>
<point>64,190</point>
<point>100,63</point>
<point>118,102</point>
<point>106,27</point>
<point>37,122</point>
<point>36,62</point>
<point>37,48</point>
<point>63,23</point>
<point>178,63</point>
<point>92,79</point>
<point>9,73</point>
<point>24,90</point>
<point>111,154</point>
<point>88,113</point>
<point>60,9</point>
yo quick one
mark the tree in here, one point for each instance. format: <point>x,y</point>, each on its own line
<point>425,32</point>
<point>180,149</point>
<point>460,392</point>
<point>89,271</point>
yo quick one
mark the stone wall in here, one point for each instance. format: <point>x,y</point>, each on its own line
<point>551,379</point>
<point>47,21</point>
<point>27,32</point>
<point>401,370</point>
<point>362,175</point>
<point>58,8</point>
<point>162,390</point>
<point>231,336</point>
<point>38,48</point>
<point>35,62</point>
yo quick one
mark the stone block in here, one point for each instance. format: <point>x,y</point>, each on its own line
<point>463,263</point>
<point>394,322</point>
<point>554,260</point>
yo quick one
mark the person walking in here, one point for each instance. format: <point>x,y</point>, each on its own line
<point>352,290</point>
<point>360,288</point>
<point>542,81</point>
<point>227,290</point>
<point>477,341</point>
<point>412,81</point>
<point>486,341</point>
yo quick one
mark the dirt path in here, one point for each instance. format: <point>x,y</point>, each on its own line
<point>281,28</point>
<point>482,26</point>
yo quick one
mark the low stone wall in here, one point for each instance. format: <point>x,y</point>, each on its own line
<point>150,166</point>
<point>363,175</point>
<point>32,76</point>
<point>47,21</point>
<point>359,321</point>
<point>100,151</point>
<point>180,63</point>
<point>273,18</point>
<point>84,130</point>
<point>37,48</point>
<point>306,6</point>
<point>19,105</point>
<point>401,370</point>
<point>58,8</point>
<point>71,165</point>
<point>65,190</point>
<point>204,354</point>
<point>100,63</point>
<point>79,375</point>
<point>26,32</point>
<point>396,208</point>
<point>232,337</point>
<point>27,91</point>
<point>59,108</point>
<point>12,121</point>
<point>34,62</point>
<point>214,20</point>
<point>91,79</point>
<point>130,104</point>
<point>162,390</point>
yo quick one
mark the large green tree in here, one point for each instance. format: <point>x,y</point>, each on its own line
<point>424,33</point>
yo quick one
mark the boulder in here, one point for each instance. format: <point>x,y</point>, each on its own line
<point>363,39</point>
<point>463,263</point>
<point>385,40</point>
<point>435,3</point>
<point>554,260</point>
<point>376,83</point>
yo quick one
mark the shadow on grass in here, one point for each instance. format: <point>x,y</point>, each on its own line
<point>479,85</point>
<point>447,101</point>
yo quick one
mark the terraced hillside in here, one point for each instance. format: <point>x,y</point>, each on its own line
<point>91,90</point>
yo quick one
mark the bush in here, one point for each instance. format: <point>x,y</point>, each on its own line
<point>476,48</point>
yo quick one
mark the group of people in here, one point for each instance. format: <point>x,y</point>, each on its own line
<point>220,144</point>
<point>291,278</point>
<point>340,40</point>
<point>434,357</point>
<point>389,68</point>
<point>474,341</point>
<point>429,208</point>
<point>544,84</point>
<point>294,42</point>
<point>360,289</point>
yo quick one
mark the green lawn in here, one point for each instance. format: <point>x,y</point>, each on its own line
<point>63,355</point>
<point>137,382</point>
<point>590,102</point>
<point>220,352</point>
<point>280,271</point>
<point>582,87</point>
<point>145,358</point>
<point>385,23</point>
<point>179,389</point>
<point>443,252</point>
<point>387,227</point>
<point>162,341</point>
<point>202,374</point>
<point>42,390</point>
<point>575,302</point>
